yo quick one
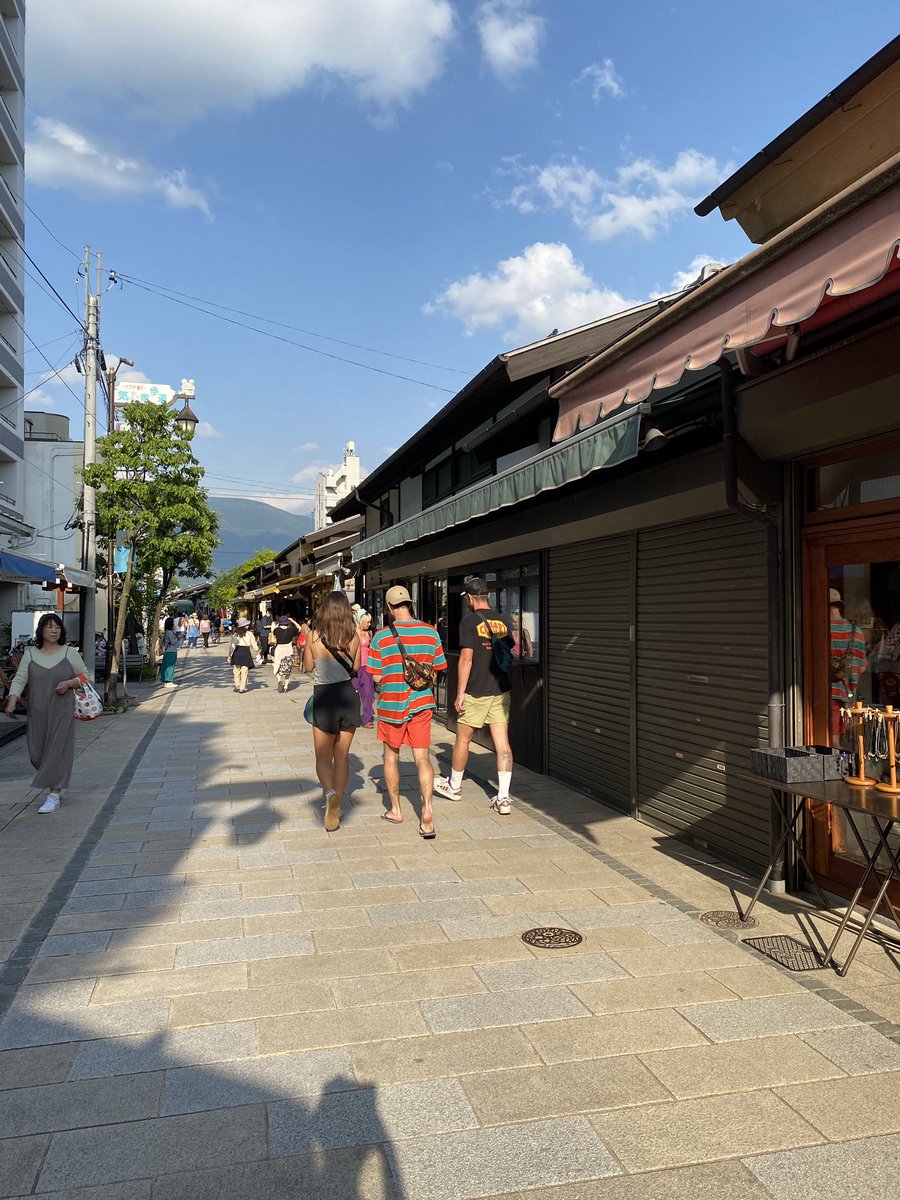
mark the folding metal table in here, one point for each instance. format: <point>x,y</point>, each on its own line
<point>880,810</point>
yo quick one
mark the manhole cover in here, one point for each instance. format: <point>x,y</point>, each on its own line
<point>787,951</point>
<point>548,937</point>
<point>727,919</point>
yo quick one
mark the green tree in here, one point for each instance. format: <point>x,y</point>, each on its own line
<point>187,549</point>
<point>150,496</point>
<point>224,589</point>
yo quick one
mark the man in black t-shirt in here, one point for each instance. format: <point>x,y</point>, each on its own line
<point>482,696</point>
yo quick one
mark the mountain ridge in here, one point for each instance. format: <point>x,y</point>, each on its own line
<point>248,526</point>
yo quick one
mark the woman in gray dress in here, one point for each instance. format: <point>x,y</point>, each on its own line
<point>52,671</point>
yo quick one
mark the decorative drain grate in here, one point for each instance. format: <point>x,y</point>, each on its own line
<point>548,937</point>
<point>727,919</point>
<point>787,951</point>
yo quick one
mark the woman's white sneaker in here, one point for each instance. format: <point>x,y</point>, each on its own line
<point>51,804</point>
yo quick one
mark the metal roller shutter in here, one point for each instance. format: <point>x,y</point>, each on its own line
<point>702,686</point>
<point>589,667</point>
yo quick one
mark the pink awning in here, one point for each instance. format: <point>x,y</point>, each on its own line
<point>854,257</point>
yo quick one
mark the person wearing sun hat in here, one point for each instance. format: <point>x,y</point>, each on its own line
<point>242,652</point>
<point>404,712</point>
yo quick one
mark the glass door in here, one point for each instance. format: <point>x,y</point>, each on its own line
<point>852,648</point>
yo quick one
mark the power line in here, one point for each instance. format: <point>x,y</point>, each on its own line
<point>52,341</point>
<point>289,341</point>
<point>162,288</point>
<point>64,303</point>
<point>42,223</point>
<point>53,369</point>
<point>43,374</point>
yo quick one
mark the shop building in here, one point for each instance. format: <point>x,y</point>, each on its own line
<point>666,501</point>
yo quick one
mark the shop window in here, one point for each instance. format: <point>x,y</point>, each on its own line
<point>519,602</point>
<point>865,480</point>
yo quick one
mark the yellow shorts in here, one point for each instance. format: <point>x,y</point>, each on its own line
<point>486,710</point>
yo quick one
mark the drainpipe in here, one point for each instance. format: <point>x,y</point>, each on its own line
<point>771,520</point>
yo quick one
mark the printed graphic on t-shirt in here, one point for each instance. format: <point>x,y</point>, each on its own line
<point>486,678</point>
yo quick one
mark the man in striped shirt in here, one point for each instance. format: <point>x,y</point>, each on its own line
<point>404,713</point>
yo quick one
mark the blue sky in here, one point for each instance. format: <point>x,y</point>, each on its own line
<point>437,180</point>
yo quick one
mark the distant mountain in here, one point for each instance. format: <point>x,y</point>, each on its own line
<point>246,526</point>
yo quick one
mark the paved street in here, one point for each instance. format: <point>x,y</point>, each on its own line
<point>208,996</point>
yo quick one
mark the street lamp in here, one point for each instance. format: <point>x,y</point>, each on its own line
<point>186,420</point>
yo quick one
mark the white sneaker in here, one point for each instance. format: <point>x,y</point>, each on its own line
<point>51,804</point>
<point>501,805</point>
<point>443,788</point>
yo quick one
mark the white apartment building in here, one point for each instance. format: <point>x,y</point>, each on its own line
<point>14,528</point>
<point>334,485</point>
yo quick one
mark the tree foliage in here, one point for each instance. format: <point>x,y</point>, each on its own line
<point>224,589</point>
<point>150,497</point>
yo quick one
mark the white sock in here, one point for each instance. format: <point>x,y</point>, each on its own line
<point>456,778</point>
<point>505,779</point>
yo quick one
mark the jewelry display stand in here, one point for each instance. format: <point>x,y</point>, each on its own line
<point>870,735</point>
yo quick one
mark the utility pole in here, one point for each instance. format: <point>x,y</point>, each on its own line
<point>112,677</point>
<point>89,542</point>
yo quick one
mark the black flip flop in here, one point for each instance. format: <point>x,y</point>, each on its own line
<point>426,835</point>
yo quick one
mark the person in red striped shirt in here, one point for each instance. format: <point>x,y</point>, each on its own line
<point>404,713</point>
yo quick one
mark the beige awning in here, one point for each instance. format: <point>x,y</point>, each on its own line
<point>845,266</point>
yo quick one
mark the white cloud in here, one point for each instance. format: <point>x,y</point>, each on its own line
<point>603,77</point>
<point>204,429</point>
<point>543,288</point>
<point>288,501</point>
<point>178,60</point>
<point>510,36</point>
<point>60,156</point>
<point>306,476</point>
<point>306,448</point>
<point>682,279</point>
<point>642,198</point>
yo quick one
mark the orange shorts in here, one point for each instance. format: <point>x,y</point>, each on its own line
<point>416,732</point>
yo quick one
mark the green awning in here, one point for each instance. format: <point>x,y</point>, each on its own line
<point>605,445</point>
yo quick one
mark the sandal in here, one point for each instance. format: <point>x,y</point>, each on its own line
<point>427,834</point>
<point>386,816</point>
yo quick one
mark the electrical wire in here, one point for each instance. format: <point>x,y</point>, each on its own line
<point>44,375</point>
<point>288,341</point>
<point>44,345</point>
<point>53,369</point>
<point>163,288</point>
<point>64,303</point>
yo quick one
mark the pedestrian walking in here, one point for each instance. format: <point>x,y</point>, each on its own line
<point>263,629</point>
<point>362,680</point>
<point>284,631</point>
<point>181,628</point>
<point>482,693</point>
<point>51,670</point>
<point>243,652</point>
<point>170,644</point>
<point>403,659</point>
<point>332,654</point>
<point>205,631</point>
<point>193,631</point>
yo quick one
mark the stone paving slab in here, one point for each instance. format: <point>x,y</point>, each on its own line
<point>688,1131</point>
<point>178,1047</point>
<point>845,1171</point>
<point>144,1149</point>
<point>763,1016</point>
<point>252,1080</point>
<point>486,1162</point>
<point>507,1008</point>
<point>242,1004</point>
<point>367,1116</point>
<point>51,1107</point>
<point>738,1066</point>
<point>528,1093</point>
